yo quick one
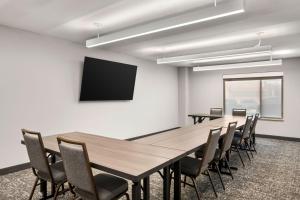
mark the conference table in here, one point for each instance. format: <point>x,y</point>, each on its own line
<point>137,160</point>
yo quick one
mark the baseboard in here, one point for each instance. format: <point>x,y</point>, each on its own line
<point>278,137</point>
<point>150,134</point>
<point>14,168</point>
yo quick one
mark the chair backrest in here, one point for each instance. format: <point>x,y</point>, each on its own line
<point>77,165</point>
<point>239,112</point>
<point>246,128</point>
<point>36,152</point>
<point>253,125</point>
<point>216,111</point>
<point>228,138</point>
<point>210,148</point>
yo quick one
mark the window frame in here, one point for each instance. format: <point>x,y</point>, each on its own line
<point>260,94</point>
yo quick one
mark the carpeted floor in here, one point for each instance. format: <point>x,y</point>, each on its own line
<point>274,173</point>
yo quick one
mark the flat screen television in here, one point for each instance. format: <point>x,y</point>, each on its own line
<point>107,80</point>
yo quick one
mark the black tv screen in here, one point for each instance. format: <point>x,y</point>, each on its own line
<point>107,80</point>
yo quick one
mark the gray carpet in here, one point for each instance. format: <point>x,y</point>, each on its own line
<point>274,173</point>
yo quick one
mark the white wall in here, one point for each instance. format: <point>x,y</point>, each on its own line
<point>206,91</point>
<point>40,81</point>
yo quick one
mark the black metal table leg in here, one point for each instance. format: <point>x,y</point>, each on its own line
<point>166,186</point>
<point>52,161</point>
<point>43,189</point>
<point>200,119</point>
<point>177,181</point>
<point>136,191</point>
<point>146,188</point>
<point>195,119</point>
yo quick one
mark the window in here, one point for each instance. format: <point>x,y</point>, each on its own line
<point>257,95</point>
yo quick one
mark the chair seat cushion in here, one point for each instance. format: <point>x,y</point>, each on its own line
<point>236,140</point>
<point>200,153</point>
<point>108,187</point>
<point>190,166</point>
<point>58,173</point>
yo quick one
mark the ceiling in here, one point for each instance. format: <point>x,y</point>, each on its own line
<point>75,20</point>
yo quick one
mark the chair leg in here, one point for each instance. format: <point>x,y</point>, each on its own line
<point>240,156</point>
<point>63,189</point>
<point>56,191</point>
<point>253,145</point>
<point>196,188</point>
<point>228,167</point>
<point>71,189</point>
<point>33,189</point>
<point>246,150</point>
<point>218,170</point>
<point>184,182</point>
<point>127,196</point>
<point>249,147</point>
<point>212,184</point>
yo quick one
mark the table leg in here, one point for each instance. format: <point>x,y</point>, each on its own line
<point>43,189</point>
<point>136,191</point>
<point>177,181</point>
<point>166,183</point>
<point>195,119</point>
<point>52,161</point>
<point>200,119</point>
<point>146,186</point>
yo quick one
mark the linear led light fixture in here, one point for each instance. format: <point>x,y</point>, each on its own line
<point>239,65</point>
<point>224,8</point>
<point>234,57</point>
<point>259,51</point>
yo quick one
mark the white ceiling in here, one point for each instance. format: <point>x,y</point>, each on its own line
<point>75,20</point>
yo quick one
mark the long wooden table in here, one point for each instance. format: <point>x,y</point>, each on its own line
<point>188,140</point>
<point>137,160</point>
<point>130,160</point>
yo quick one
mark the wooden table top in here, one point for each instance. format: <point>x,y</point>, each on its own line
<point>188,139</point>
<point>123,158</point>
<point>137,159</point>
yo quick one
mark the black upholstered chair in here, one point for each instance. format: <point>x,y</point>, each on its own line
<point>215,111</point>
<point>239,112</point>
<point>193,167</point>
<point>239,139</point>
<point>43,171</point>
<point>79,173</point>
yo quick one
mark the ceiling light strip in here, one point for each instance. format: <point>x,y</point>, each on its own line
<point>224,9</point>
<point>218,54</point>
<point>234,57</point>
<point>239,65</point>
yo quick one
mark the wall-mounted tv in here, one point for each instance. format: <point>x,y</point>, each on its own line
<point>107,80</point>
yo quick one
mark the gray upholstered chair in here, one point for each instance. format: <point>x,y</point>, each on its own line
<point>239,139</point>
<point>220,154</point>
<point>239,112</point>
<point>79,173</point>
<point>251,140</point>
<point>43,171</point>
<point>215,111</point>
<point>225,146</point>
<point>193,167</point>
